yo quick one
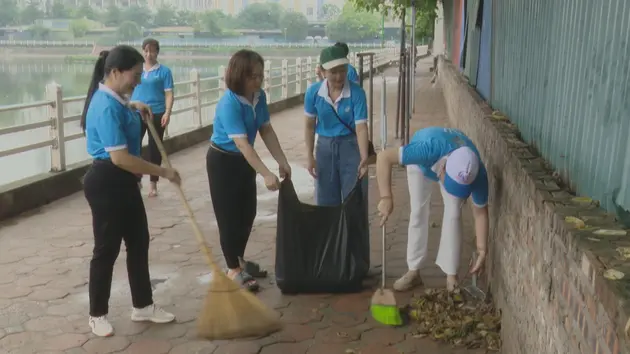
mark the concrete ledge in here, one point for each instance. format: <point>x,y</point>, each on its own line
<point>545,271</point>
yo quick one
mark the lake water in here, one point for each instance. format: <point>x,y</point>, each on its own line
<point>25,81</point>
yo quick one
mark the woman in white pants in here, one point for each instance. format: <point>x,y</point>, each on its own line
<point>446,156</point>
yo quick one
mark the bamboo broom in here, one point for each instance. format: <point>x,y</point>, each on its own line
<point>229,311</point>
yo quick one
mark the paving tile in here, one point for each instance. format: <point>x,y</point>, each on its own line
<point>44,273</point>
<point>106,345</point>
<point>149,346</point>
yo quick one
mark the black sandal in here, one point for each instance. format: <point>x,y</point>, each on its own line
<point>247,281</point>
<point>253,269</point>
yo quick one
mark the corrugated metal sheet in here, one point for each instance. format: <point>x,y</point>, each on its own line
<point>561,72</point>
<point>473,41</point>
<point>485,52</point>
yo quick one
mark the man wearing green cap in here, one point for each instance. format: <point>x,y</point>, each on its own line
<point>336,109</point>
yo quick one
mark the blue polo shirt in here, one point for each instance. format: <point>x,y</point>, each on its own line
<point>353,75</point>
<point>351,106</point>
<point>154,84</point>
<point>110,125</point>
<point>235,117</point>
<point>429,145</point>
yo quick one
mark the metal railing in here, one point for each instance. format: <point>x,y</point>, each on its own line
<point>290,79</point>
<point>184,44</point>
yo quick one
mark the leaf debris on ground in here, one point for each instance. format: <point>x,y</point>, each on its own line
<point>447,318</point>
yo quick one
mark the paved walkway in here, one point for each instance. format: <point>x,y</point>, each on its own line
<point>44,259</point>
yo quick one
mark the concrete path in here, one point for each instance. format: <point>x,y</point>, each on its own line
<point>44,259</point>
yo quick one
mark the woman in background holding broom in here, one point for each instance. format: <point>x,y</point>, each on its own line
<point>232,162</point>
<point>112,129</point>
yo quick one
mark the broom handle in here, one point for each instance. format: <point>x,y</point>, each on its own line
<point>383,260</point>
<point>198,234</point>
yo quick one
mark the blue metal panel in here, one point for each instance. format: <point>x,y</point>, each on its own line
<point>561,72</point>
<point>462,41</point>
<point>485,47</point>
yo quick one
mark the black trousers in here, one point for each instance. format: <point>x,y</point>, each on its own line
<point>233,192</point>
<point>154,154</point>
<point>117,214</point>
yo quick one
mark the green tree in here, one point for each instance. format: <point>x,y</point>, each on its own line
<point>128,31</point>
<point>39,32</point>
<point>9,13</point>
<point>164,16</point>
<point>79,27</point>
<point>260,16</point>
<point>58,10</point>
<point>353,25</point>
<point>84,11</point>
<point>30,13</point>
<point>210,23</point>
<point>185,18</point>
<point>425,12</point>
<point>112,16</point>
<point>295,25</point>
<point>139,14</point>
<point>329,12</point>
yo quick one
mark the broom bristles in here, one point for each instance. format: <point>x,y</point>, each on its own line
<point>231,312</point>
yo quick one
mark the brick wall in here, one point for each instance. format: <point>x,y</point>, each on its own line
<point>545,274</point>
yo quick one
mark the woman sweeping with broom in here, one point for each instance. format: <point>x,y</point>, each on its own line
<point>112,129</point>
<point>232,163</point>
<point>449,157</point>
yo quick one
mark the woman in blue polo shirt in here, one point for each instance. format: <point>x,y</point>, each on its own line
<point>448,157</point>
<point>336,109</point>
<point>232,163</point>
<point>112,130</point>
<point>155,90</point>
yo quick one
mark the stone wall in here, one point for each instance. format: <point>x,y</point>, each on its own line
<point>545,271</point>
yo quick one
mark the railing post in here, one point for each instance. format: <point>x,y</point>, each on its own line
<point>285,79</point>
<point>309,70</point>
<point>267,82</point>
<point>316,62</point>
<point>55,112</point>
<point>222,84</point>
<point>194,76</point>
<point>299,76</point>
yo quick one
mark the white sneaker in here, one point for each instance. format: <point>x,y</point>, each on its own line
<point>101,326</point>
<point>408,280</point>
<point>153,314</point>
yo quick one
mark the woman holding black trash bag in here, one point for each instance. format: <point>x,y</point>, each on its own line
<point>112,129</point>
<point>232,163</point>
<point>336,109</point>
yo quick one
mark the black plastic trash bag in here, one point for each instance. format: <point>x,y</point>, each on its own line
<point>321,249</point>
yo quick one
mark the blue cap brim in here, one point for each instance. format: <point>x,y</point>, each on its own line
<point>453,188</point>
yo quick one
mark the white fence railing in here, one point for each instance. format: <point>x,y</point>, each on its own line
<point>291,78</point>
<point>185,44</point>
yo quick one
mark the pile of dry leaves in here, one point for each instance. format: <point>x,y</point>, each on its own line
<point>446,317</point>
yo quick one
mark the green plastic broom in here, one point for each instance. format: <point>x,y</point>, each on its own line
<point>383,307</point>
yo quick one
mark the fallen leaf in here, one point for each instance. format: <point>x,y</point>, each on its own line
<point>582,200</point>
<point>443,317</point>
<point>624,252</point>
<point>593,239</point>
<point>606,232</point>
<point>612,274</point>
<point>577,222</point>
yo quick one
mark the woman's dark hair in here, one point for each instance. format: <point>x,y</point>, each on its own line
<point>240,68</point>
<point>151,42</point>
<point>344,46</point>
<point>122,57</point>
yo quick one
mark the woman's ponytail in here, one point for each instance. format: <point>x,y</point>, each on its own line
<point>97,76</point>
